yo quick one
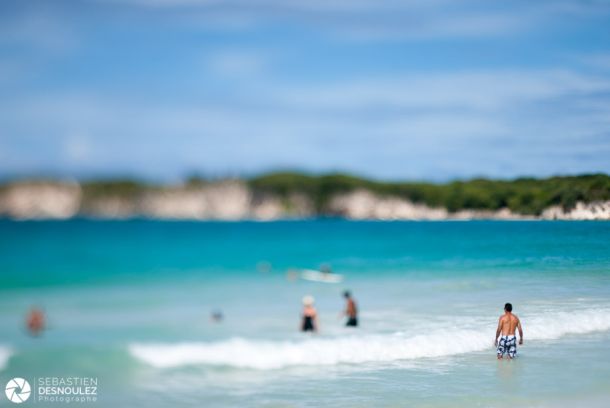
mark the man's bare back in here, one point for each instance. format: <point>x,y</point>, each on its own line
<point>508,324</point>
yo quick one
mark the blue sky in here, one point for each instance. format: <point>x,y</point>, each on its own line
<point>431,90</point>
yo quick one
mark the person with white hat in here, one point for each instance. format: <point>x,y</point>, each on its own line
<point>310,316</point>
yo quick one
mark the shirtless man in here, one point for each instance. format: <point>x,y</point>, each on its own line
<point>507,325</point>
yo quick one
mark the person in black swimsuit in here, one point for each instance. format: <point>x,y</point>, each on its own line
<point>310,316</point>
<point>350,310</point>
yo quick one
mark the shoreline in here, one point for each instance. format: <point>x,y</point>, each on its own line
<point>138,217</point>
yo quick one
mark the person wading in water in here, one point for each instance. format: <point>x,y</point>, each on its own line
<point>350,310</point>
<point>507,325</point>
<point>310,316</point>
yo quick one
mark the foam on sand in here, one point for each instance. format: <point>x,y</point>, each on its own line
<point>263,355</point>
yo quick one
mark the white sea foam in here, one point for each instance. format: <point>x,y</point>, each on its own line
<point>5,355</point>
<point>257,354</point>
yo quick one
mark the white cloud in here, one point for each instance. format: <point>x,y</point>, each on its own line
<point>458,122</point>
<point>39,28</point>
<point>358,19</point>
<point>77,148</point>
<point>237,63</point>
<point>598,60</point>
<point>10,70</point>
<point>483,90</point>
<point>371,20</point>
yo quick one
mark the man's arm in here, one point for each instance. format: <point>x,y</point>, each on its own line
<point>498,330</point>
<point>520,331</point>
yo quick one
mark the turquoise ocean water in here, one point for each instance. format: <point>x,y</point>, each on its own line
<point>129,302</point>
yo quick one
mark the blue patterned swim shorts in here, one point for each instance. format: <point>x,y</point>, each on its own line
<point>507,344</point>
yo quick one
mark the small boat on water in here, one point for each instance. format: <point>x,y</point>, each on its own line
<point>319,276</point>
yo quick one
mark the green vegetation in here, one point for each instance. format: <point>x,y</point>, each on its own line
<point>524,195</point>
<point>116,188</point>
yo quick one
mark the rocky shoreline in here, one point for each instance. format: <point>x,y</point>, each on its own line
<point>235,200</point>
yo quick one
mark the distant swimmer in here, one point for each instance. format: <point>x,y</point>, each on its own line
<point>507,325</point>
<point>310,316</point>
<point>292,275</point>
<point>216,316</point>
<point>350,310</point>
<point>263,267</point>
<point>35,321</point>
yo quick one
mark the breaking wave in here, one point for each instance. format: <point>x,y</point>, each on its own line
<point>5,355</point>
<point>264,355</point>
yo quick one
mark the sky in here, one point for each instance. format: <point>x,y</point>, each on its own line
<point>395,90</point>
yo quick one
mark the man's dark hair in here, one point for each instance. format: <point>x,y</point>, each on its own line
<point>508,307</point>
<point>346,294</point>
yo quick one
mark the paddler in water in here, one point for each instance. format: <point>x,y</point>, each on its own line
<point>350,310</point>
<point>310,316</point>
<point>326,270</point>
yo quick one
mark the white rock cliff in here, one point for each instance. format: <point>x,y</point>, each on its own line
<point>234,200</point>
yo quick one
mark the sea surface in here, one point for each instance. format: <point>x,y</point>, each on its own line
<point>130,303</point>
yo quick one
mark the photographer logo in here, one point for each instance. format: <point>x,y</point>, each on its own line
<point>18,390</point>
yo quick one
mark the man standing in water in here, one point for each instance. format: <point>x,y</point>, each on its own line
<point>507,325</point>
<point>350,310</point>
